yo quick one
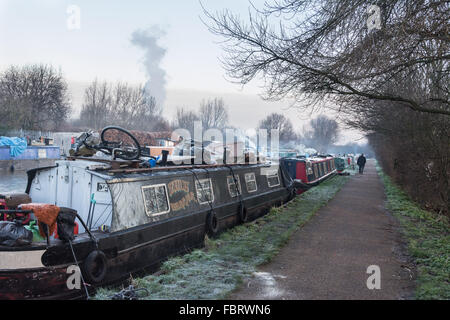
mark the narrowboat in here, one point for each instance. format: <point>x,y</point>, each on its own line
<point>339,163</point>
<point>308,172</point>
<point>113,218</point>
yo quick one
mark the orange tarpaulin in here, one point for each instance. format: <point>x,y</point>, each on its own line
<point>45,213</point>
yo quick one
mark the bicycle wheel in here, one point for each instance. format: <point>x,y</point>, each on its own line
<point>129,151</point>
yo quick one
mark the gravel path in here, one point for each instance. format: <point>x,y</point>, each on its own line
<point>328,258</point>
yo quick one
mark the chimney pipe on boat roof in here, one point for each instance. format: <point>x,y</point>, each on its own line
<point>165,153</point>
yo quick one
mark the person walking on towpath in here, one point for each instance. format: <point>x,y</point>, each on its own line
<point>361,162</point>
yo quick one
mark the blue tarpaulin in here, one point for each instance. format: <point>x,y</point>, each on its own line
<point>16,145</point>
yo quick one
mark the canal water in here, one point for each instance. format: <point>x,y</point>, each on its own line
<point>13,182</point>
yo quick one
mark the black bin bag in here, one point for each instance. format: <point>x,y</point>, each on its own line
<point>66,224</point>
<point>14,234</point>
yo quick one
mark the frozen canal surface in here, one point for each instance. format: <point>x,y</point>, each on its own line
<point>13,182</point>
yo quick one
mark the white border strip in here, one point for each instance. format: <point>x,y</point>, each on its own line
<point>21,259</point>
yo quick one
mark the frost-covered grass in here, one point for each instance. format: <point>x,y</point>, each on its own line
<point>352,171</point>
<point>218,269</point>
<point>428,239</point>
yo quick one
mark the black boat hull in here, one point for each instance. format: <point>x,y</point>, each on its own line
<point>130,251</point>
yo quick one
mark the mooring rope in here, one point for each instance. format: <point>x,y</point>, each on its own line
<point>81,274</point>
<point>201,186</point>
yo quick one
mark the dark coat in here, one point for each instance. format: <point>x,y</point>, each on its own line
<point>361,161</point>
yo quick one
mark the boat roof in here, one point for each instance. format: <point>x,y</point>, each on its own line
<point>311,159</point>
<point>105,171</point>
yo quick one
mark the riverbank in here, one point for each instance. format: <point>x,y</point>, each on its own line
<point>333,255</point>
<point>218,269</point>
<point>428,241</point>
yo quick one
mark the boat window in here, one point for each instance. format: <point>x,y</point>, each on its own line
<point>156,201</point>
<point>309,170</point>
<point>250,181</point>
<point>232,186</point>
<point>316,174</point>
<point>204,189</point>
<point>273,180</point>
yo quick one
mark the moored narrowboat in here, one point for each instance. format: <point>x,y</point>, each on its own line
<point>308,172</point>
<point>112,221</point>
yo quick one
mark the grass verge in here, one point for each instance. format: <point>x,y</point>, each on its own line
<point>216,270</point>
<point>428,241</point>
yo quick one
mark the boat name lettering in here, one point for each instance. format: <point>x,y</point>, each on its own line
<point>178,185</point>
<point>184,202</point>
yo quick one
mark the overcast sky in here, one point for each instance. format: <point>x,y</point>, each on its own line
<point>43,31</point>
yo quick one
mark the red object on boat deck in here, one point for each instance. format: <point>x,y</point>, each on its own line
<point>25,217</point>
<point>3,207</point>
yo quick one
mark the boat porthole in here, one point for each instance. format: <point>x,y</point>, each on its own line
<point>95,266</point>
<point>212,224</point>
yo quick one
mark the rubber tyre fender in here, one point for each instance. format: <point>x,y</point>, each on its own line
<point>95,267</point>
<point>138,146</point>
<point>212,224</point>
<point>243,216</point>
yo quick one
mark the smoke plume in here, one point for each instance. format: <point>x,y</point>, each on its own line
<point>154,53</point>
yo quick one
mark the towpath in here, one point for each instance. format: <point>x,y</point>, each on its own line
<point>328,258</point>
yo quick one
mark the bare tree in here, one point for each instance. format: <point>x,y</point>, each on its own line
<point>185,119</point>
<point>34,97</point>
<point>15,113</point>
<point>96,107</point>
<point>323,133</point>
<point>122,105</point>
<point>132,108</point>
<point>413,148</point>
<point>391,82</point>
<point>281,123</point>
<point>213,114</point>
<point>322,50</point>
